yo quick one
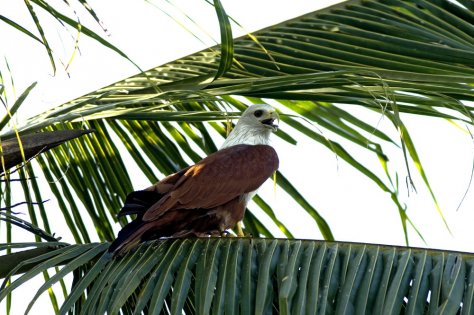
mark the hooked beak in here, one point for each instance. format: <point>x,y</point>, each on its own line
<point>272,121</point>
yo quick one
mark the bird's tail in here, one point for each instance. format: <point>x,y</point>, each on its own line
<point>137,202</point>
<point>129,237</point>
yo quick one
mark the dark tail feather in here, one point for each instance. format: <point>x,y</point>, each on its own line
<point>138,202</point>
<point>125,236</point>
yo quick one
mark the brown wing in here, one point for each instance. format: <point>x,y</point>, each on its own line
<point>217,179</point>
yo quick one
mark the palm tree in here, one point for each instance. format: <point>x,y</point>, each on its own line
<point>389,56</point>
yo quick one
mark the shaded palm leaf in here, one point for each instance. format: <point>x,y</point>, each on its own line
<point>257,276</point>
<point>15,152</point>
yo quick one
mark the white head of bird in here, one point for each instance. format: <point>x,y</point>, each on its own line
<point>254,126</point>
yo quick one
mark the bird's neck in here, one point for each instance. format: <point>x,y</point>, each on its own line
<point>242,135</point>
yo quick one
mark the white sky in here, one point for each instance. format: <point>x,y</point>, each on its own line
<point>354,207</point>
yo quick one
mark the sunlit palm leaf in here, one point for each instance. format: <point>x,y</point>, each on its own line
<point>350,53</point>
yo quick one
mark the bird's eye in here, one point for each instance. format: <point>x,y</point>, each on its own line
<point>258,113</point>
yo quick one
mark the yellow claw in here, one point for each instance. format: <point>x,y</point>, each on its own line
<point>238,229</point>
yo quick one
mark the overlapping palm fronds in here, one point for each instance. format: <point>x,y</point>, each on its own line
<point>388,56</point>
<point>255,276</point>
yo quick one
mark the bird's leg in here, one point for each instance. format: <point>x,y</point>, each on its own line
<point>226,233</point>
<point>223,232</point>
<point>238,229</point>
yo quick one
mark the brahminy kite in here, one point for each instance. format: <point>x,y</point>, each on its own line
<point>210,196</point>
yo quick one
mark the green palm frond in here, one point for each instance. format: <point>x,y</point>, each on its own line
<point>256,276</point>
<point>387,56</point>
<point>312,66</point>
<point>343,54</point>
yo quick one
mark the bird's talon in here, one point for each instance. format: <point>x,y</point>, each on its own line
<point>227,234</point>
<point>238,229</point>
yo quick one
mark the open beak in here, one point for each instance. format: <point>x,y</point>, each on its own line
<point>272,121</point>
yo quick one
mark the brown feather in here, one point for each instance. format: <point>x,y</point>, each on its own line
<point>218,178</point>
<point>203,199</point>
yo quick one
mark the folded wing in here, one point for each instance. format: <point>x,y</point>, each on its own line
<point>206,197</point>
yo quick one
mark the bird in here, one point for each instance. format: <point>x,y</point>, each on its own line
<point>209,197</point>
